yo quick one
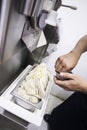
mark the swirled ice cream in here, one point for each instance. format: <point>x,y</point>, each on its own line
<point>34,85</point>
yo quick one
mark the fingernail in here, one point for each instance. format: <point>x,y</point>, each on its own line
<point>61,73</point>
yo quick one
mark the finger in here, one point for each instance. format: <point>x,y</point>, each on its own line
<point>57,64</point>
<point>58,81</point>
<point>62,84</point>
<point>60,66</point>
<point>63,69</point>
<point>66,75</point>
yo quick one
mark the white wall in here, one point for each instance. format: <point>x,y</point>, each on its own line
<point>72,26</point>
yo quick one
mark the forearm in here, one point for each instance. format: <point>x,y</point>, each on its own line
<point>81,46</point>
<point>68,61</point>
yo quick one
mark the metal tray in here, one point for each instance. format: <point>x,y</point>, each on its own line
<point>23,102</point>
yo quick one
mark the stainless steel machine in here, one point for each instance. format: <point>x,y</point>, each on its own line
<point>21,24</point>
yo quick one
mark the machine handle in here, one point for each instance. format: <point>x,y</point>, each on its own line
<point>69,6</point>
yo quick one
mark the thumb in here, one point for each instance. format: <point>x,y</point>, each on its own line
<point>65,75</point>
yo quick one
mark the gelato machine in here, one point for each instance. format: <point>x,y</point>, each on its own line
<point>24,40</point>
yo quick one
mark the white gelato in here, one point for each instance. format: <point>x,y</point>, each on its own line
<point>34,86</point>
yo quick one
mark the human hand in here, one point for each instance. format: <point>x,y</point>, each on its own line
<point>73,82</point>
<point>67,62</point>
